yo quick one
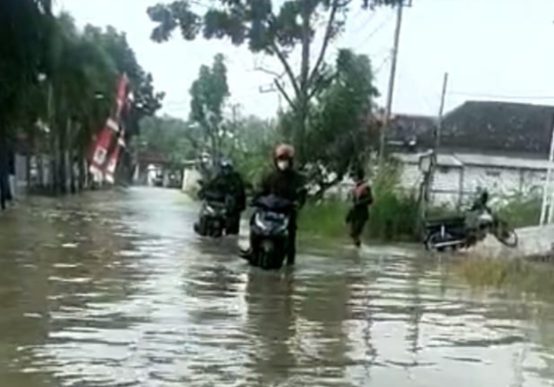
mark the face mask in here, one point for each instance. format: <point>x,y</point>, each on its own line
<point>282,165</point>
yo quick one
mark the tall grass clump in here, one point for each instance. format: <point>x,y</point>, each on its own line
<point>393,215</point>
<point>521,210</point>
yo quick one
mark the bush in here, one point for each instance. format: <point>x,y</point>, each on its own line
<point>324,218</point>
<point>393,216</point>
<point>521,211</point>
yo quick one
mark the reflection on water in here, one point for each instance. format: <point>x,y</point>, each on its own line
<point>113,289</point>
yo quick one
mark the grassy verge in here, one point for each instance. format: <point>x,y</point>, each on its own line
<point>392,217</point>
<point>324,219</point>
<point>521,211</point>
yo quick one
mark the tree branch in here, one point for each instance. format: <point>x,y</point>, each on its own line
<point>285,94</point>
<point>270,72</point>
<point>287,67</point>
<point>326,40</point>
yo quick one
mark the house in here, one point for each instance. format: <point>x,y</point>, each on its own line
<point>498,146</point>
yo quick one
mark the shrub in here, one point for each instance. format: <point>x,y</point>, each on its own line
<point>521,211</point>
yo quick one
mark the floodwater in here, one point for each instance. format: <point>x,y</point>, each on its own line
<point>114,289</point>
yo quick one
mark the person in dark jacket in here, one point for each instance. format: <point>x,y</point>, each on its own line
<point>358,215</point>
<point>287,183</point>
<point>230,184</point>
<point>481,204</point>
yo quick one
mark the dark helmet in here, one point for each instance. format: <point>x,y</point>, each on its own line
<point>226,166</point>
<point>359,174</point>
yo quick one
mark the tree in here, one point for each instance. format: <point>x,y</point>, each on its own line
<point>209,93</point>
<point>146,101</point>
<point>272,30</point>
<point>251,150</point>
<point>77,72</point>
<point>167,136</point>
<point>24,26</point>
<point>338,137</point>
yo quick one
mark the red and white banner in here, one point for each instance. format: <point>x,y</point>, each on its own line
<point>100,153</point>
<point>103,163</point>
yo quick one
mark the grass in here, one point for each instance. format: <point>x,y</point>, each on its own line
<point>521,211</point>
<point>324,219</point>
<point>392,217</point>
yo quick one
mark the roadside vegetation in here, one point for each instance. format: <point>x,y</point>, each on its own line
<point>57,86</point>
<point>532,277</point>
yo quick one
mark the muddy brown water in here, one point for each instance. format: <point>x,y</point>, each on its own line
<point>114,289</point>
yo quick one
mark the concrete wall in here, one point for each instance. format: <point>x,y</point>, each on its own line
<point>452,185</point>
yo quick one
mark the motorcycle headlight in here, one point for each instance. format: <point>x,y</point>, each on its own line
<point>486,218</point>
<point>258,221</point>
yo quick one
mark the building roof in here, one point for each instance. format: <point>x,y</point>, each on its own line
<point>499,126</point>
<point>502,161</point>
<point>483,126</point>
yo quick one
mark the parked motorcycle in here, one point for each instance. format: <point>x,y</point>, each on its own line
<point>269,231</point>
<point>454,233</point>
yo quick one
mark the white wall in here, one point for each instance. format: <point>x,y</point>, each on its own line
<point>191,177</point>
<point>448,182</point>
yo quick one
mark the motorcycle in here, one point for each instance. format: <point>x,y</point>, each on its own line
<point>454,233</point>
<point>269,233</point>
<point>212,219</point>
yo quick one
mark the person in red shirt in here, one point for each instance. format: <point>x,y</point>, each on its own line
<point>358,215</point>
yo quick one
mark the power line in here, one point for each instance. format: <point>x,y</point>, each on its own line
<point>383,63</point>
<point>375,30</point>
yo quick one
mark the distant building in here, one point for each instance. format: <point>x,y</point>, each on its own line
<point>501,147</point>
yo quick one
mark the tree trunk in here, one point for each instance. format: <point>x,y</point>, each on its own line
<point>53,176</point>
<point>82,175</point>
<point>62,160</point>
<point>307,12</point>
<point>40,169</point>
<point>72,177</point>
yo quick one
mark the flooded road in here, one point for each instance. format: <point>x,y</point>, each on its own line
<point>114,289</point>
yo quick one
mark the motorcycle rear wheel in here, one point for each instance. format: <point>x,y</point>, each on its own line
<point>506,234</point>
<point>436,238</point>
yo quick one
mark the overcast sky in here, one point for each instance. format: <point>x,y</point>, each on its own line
<point>492,49</point>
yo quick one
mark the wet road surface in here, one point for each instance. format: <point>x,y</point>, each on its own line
<point>114,289</point>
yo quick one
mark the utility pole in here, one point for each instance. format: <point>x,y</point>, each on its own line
<point>547,212</point>
<point>441,113</point>
<point>392,77</point>
<point>429,174</point>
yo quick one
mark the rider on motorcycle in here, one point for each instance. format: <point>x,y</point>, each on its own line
<point>478,213</point>
<point>481,203</point>
<point>229,184</point>
<point>287,183</point>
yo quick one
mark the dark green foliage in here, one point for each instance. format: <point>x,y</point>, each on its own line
<point>166,136</point>
<point>274,28</point>
<point>209,93</point>
<point>338,134</point>
<point>24,26</point>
